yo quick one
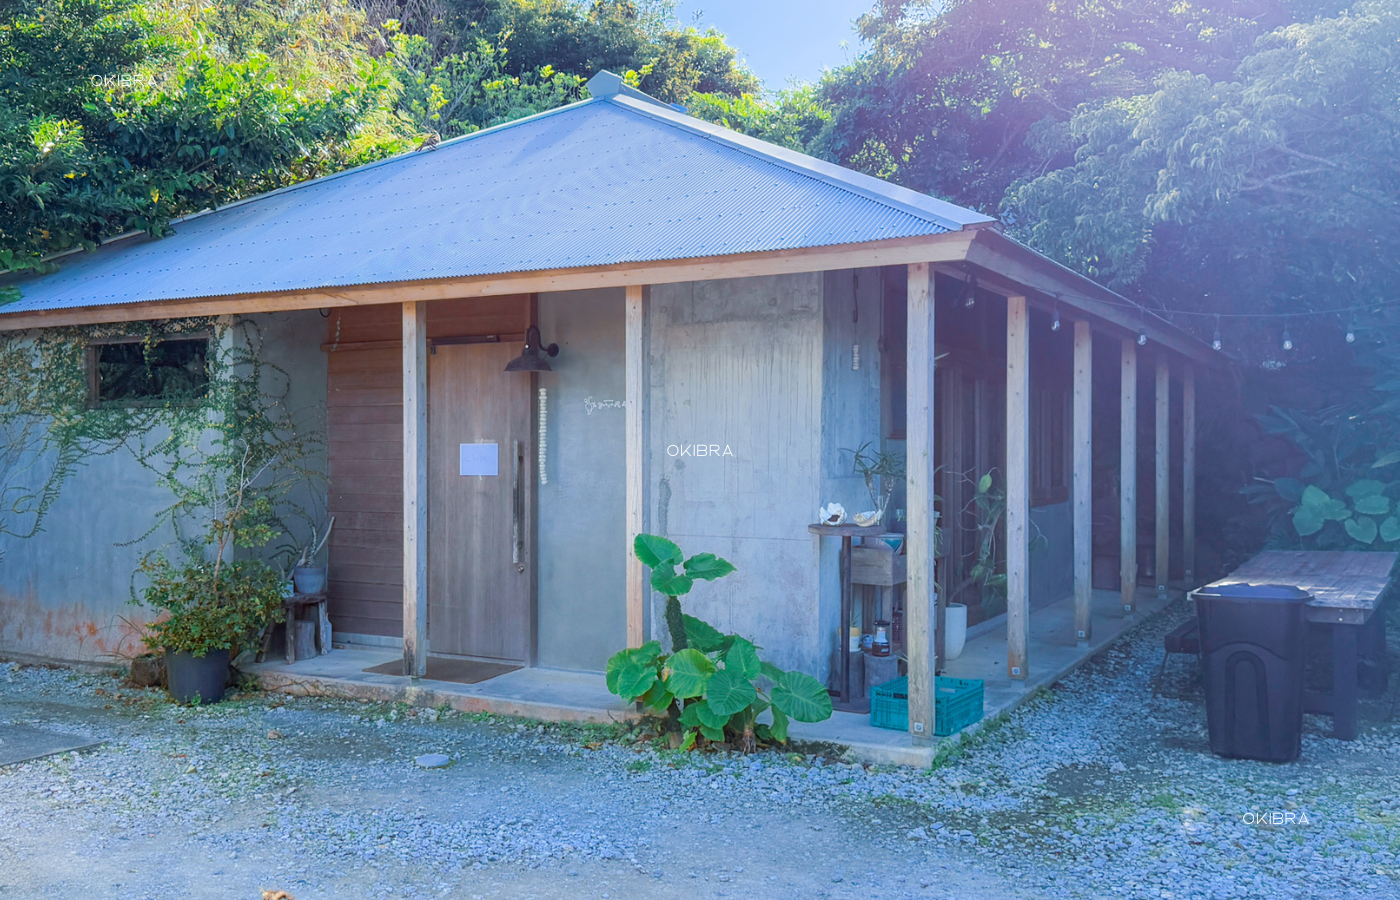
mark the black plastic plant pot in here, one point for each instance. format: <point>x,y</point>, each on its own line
<point>1252,662</point>
<point>196,679</point>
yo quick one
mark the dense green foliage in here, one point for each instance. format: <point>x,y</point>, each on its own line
<point>119,115</point>
<point>716,687</point>
<point>208,607</point>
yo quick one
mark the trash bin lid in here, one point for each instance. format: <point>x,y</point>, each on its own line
<point>1278,593</point>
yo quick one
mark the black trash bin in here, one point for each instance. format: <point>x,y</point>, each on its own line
<point>1252,661</point>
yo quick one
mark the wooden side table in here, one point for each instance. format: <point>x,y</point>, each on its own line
<point>844,700</point>
<point>295,607</point>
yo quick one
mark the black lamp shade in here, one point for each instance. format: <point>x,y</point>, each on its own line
<point>529,359</point>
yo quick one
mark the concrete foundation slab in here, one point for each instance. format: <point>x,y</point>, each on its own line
<point>556,695</point>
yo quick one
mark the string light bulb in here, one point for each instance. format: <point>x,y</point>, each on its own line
<point>1142,337</point>
<point>1351,331</point>
<point>1055,322</point>
<point>1287,340</point>
<point>1215,342</point>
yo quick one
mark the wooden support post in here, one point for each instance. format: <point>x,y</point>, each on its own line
<point>1083,481</point>
<point>1018,486</point>
<point>1188,474</point>
<point>1163,516</point>
<point>415,489</point>
<point>921,597</point>
<point>1127,477</point>
<point>636,394</point>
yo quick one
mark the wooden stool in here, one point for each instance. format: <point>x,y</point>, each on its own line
<point>295,607</point>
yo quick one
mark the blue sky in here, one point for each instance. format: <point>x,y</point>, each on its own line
<point>783,40</point>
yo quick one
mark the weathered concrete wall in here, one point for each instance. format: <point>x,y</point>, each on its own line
<point>582,594</point>
<point>290,346</point>
<point>1052,560</point>
<point>737,365</point>
<point>850,418</point>
<point>64,592</point>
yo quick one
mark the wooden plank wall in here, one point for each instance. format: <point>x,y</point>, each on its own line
<point>364,421</point>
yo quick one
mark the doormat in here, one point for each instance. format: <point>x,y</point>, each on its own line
<point>21,743</point>
<point>458,671</point>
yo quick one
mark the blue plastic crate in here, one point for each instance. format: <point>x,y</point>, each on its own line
<point>957,703</point>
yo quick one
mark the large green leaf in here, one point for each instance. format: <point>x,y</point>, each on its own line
<point>653,550</point>
<point>703,713</point>
<point>802,697</point>
<point>742,659</point>
<point>644,656</point>
<point>779,728</point>
<point>635,679</point>
<point>1386,459</point>
<point>707,566</point>
<point>688,672</point>
<point>658,700</point>
<point>771,672</point>
<point>728,692</point>
<point>1390,530</point>
<point>1365,487</point>
<point>702,635</point>
<point>1362,529</point>
<point>1307,521</point>
<point>1372,505</point>
<point>666,580</point>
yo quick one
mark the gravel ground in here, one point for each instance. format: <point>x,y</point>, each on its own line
<point>1098,788</point>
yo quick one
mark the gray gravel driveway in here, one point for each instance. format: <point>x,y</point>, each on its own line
<point>1096,789</point>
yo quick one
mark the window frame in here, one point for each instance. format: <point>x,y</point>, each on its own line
<point>92,361</point>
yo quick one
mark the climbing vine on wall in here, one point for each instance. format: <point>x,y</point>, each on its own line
<point>241,431</point>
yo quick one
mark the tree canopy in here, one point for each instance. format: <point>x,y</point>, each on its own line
<point>123,114</point>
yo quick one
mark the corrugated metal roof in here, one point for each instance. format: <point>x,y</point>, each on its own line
<point>607,180</point>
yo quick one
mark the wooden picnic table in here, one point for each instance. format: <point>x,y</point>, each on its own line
<point>1347,589</point>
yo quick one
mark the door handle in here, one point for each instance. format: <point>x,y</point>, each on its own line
<point>516,508</point>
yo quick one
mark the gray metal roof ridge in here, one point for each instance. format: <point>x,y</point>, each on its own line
<point>924,206</point>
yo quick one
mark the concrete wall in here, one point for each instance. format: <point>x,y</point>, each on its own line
<point>582,593</point>
<point>1052,560</point>
<point>850,418</point>
<point>737,365</point>
<point>64,592</point>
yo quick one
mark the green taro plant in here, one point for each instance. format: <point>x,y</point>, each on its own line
<point>716,688</point>
<point>662,557</point>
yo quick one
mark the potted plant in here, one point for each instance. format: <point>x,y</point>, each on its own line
<point>212,611</point>
<point>307,577</point>
<point>884,465</point>
<point>211,604</point>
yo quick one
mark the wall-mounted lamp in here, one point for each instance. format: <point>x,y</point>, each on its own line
<point>529,359</point>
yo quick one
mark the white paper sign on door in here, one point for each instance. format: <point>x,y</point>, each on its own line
<point>480,459</point>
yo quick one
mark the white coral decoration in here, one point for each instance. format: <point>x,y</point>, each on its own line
<point>832,514</point>
<point>866,519</point>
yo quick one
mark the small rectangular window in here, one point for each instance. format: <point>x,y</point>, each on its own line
<point>138,372</point>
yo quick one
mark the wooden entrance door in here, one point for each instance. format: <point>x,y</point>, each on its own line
<point>479,525</point>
